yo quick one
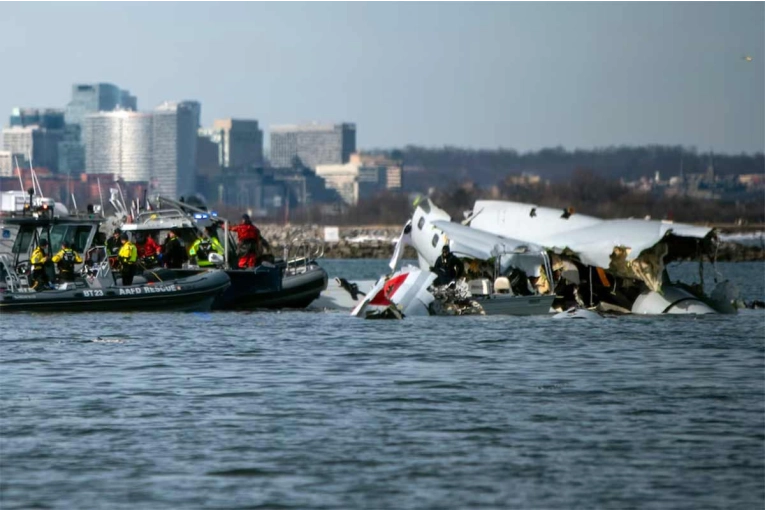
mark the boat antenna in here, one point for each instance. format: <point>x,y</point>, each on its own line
<point>74,202</point>
<point>18,170</point>
<point>35,181</point>
<point>100,197</point>
<point>34,175</point>
<point>124,205</point>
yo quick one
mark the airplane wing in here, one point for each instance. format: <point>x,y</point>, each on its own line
<point>480,244</point>
<point>470,242</point>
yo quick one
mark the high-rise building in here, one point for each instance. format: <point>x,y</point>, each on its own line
<point>71,150</point>
<point>158,147</point>
<point>313,144</point>
<point>6,164</point>
<point>88,99</point>
<point>241,142</point>
<point>35,132</point>
<point>175,147</point>
<point>46,118</point>
<point>119,143</point>
<point>39,143</point>
<point>97,97</point>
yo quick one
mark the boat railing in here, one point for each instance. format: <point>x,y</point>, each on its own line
<point>98,269</point>
<point>162,216</point>
<point>300,251</point>
<point>14,281</point>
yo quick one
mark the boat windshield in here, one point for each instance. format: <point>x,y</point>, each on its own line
<point>77,235</point>
<point>23,240</point>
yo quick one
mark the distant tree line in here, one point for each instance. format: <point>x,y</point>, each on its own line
<point>449,165</point>
<point>589,193</point>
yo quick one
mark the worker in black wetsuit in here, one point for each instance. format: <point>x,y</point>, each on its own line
<point>448,267</point>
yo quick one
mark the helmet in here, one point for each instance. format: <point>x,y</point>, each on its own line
<point>65,244</point>
<point>246,217</point>
<point>124,236</point>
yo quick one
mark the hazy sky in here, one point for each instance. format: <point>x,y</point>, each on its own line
<point>514,75</point>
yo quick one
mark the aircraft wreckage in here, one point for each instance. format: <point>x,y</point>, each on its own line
<point>524,259</point>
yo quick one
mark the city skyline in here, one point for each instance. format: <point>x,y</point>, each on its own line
<point>513,75</point>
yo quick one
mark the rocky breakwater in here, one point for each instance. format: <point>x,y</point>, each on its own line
<point>377,242</point>
<point>359,242</point>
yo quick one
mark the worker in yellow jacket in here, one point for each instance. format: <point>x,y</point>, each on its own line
<point>128,255</point>
<point>65,259</point>
<point>40,257</point>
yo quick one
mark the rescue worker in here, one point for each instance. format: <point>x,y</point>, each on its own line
<point>113,244</point>
<point>38,260</point>
<point>204,246</point>
<point>173,253</point>
<point>128,255</point>
<point>65,260</point>
<point>248,246</point>
<point>448,267</point>
<point>147,248</point>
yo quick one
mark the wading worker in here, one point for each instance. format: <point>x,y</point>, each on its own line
<point>448,267</point>
<point>65,259</point>
<point>38,260</point>
<point>128,255</point>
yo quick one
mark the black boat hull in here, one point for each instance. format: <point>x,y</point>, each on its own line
<point>195,293</point>
<point>262,288</point>
<point>295,291</point>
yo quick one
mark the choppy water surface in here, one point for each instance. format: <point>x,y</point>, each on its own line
<point>321,410</point>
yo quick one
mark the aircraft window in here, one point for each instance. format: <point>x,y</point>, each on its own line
<point>421,222</point>
<point>434,242</point>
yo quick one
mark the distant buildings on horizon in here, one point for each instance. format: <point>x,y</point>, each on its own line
<point>100,132</point>
<point>312,144</point>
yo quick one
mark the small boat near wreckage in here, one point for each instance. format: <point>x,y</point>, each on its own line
<point>524,259</point>
<point>96,287</point>
<point>293,281</point>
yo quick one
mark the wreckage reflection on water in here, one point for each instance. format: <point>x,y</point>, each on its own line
<point>523,259</point>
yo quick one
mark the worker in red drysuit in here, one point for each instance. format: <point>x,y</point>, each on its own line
<point>248,247</point>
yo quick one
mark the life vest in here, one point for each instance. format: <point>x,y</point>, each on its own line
<point>204,249</point>
<point>67,260</point>
<point>128,253</point>
<point>38,258</point>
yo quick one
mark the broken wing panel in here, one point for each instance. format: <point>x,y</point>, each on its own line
<point>529,222</point>
<point>595,244</point>
<point>480,244</point>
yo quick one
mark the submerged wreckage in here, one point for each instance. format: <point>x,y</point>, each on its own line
<point>523,259</point>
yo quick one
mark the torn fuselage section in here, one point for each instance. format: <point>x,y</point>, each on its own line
<point>615,261</point>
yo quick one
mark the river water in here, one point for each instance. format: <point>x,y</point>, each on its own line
<point>321,410</point>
